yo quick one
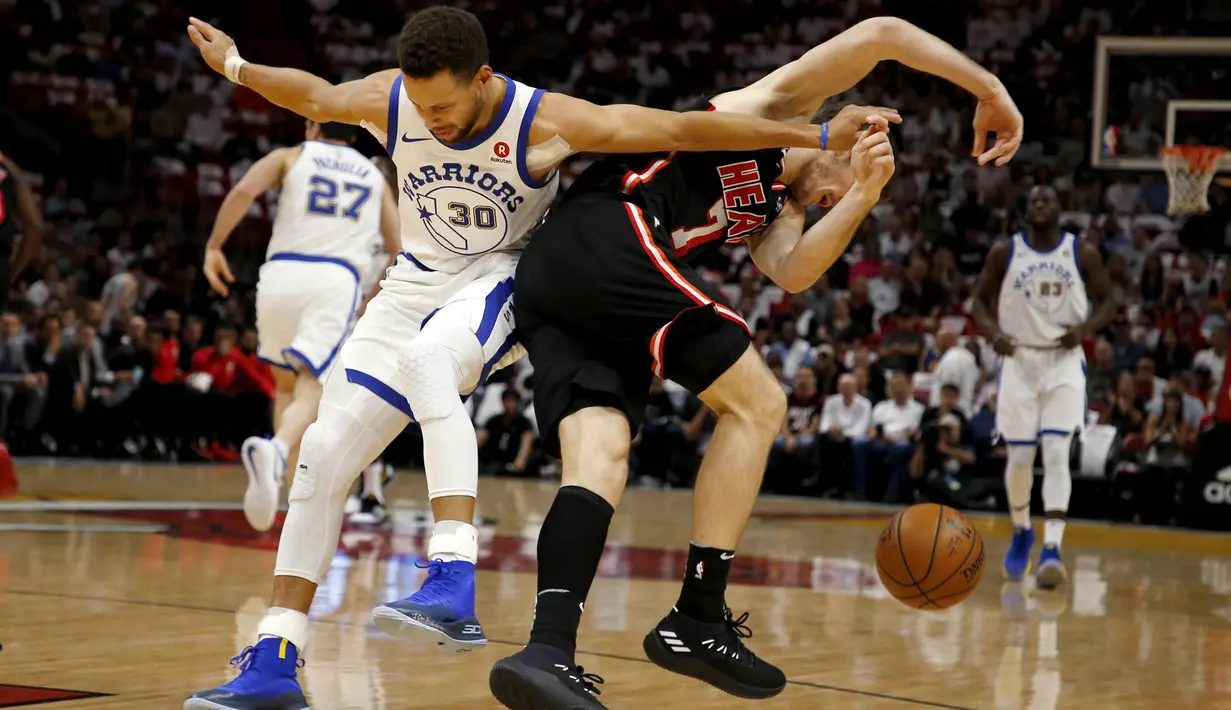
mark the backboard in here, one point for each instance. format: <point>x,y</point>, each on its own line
<point>1156,91</point>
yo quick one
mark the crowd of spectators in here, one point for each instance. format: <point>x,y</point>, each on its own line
<point>113,344</point>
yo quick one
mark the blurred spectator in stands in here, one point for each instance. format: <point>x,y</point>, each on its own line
<point>21,386</point>
<point>1192,408</point>
<point>1101,375</point>
<point>1153,280</point>
<point>77,382</point>
<point>1127,410</point>
<point>944,446</point>
<point>845,416</point>
<point>1198,285</point>
<point>890,440</point>
<point>1168,438</point>
<point>793,351</point>
<point>1171,355</point>
<point>506,440</point>
<point>792,460</point>
<point>957,367</point>
<point>1128,351</point>
<point>1214,358</point>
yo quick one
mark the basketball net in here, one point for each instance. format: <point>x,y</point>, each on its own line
<point>1190,170</point>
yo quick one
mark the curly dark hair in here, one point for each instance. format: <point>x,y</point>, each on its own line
<point>442,38</point>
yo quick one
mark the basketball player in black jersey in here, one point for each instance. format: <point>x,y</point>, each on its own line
<point>18,213</point>
<point>606,298</point>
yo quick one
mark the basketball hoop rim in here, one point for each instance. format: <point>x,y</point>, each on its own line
<point>1200,158</point>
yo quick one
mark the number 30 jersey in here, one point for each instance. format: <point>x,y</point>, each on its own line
<point>329,205</point>
<point>1043,294</point>
<point>459,201</point>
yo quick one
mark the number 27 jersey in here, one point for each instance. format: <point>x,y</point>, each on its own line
<point>1043,294</point>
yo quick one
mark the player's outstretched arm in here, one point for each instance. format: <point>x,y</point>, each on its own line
<point>263,175</point>
<point>626,128</point>
<point>306,94</point>
<point>30,218</point>
<point>796,90</point>
<point>1099,290</point>
<point>987,292</point>
<point>795,260</point>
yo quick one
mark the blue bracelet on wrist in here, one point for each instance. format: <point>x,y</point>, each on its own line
<point>825,136</point>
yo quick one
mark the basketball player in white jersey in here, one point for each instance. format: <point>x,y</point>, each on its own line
<point>477,154</point>
<point>333,201</point>
<point>1048,290</point>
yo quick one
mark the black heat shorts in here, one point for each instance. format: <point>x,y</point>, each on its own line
<point>603,305</point>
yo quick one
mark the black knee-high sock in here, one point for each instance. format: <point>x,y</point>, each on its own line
<point>705,583</point>
<point>570,545</point>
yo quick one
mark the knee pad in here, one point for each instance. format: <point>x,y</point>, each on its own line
<point>325,455</point>
<point>1056,452</point>
<point>442,359</point>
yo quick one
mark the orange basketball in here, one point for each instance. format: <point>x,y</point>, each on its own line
<point>930,557</point>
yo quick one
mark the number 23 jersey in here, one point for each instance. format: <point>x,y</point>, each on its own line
<point>1044,293</point>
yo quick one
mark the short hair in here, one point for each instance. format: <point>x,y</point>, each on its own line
<point>337,131</point>
<point>440,39</point>
<point>950,387</point>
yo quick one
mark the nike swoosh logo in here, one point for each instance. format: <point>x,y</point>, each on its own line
<point>411,140</point>
<point>724,556</point>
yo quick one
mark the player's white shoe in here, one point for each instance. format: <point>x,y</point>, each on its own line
<point>264,464</point>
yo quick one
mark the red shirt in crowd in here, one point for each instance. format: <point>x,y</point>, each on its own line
<point>234,372</point>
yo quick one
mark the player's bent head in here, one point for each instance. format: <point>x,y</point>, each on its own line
<point>442,53</point>
<point>818,177</point>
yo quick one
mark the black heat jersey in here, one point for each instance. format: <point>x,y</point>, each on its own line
<point>704,200</point>
<point>8,207</point>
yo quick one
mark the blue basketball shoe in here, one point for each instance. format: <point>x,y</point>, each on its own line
<point>441,612</point>
<point>267,681</point>
<point>1051,568</point>
<point>1017,562</point>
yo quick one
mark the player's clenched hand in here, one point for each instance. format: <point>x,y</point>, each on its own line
<point>846,128</point>
<point>1004,345</point>
<point>998,114</point>
<point>217,271</point>
<point>1072,339</point>
<point>872,157</point>
<point>214,44</point>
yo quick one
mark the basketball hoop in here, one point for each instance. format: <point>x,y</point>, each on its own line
<point>1190,170</point>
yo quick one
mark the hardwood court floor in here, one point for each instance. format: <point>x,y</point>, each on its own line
<point>138,583</point>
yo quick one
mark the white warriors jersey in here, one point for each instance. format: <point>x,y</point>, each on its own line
<point>1043,294</point>
<point>462,200</point>
<point>329,205</point>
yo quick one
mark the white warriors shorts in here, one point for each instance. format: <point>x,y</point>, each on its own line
<point>1041,392</point>
<point>305,306</point>
<point>479,299</point>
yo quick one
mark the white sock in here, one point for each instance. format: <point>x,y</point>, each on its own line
<point>1053,531</point>
<point>1057,486</point>
<point>281,446</point>
<point>1018,482</point>
<point>372,481</point>
<point>280,622</point>
<point>453,540</point>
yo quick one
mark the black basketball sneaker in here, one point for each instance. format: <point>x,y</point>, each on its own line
<point>714,653</point>
<point>541,677</point>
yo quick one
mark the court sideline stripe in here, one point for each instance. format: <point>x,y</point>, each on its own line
<point>516,644</point>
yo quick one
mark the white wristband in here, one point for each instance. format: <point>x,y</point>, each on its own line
<point>233,64</point>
